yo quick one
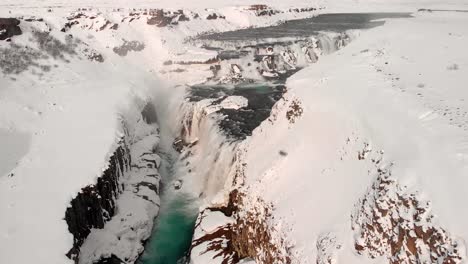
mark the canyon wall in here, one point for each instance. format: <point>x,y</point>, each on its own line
<point>111,219</point>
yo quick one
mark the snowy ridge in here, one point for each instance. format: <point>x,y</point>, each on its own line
<point>137,205</point>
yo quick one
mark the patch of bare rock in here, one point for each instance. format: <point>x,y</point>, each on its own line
<point>9,27</point>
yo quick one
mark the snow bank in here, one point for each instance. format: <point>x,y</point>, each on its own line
<point>379,102</point>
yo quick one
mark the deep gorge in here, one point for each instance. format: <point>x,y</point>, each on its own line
<point>189,157</point>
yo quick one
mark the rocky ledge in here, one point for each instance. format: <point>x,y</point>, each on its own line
<point>110,220</point>
<point>95,204</point>
<point>9,27</point>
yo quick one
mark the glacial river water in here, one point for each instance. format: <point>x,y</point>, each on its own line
<point>173,230</point>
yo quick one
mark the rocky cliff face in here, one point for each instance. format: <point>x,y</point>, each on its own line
<point>95,204</point>
<point>243,232</point>
<point>392,222</point>
<point>9,27</point>
<point>111,219</point>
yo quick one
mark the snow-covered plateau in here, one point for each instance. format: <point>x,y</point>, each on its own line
<point>233,132</point>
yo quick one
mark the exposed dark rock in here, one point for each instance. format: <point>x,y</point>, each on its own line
<point>115,26</point>
<point>150,163</point>
<point>76,16</point>
<point>159,19</point>
<point>128,46</point>
<point>302,10</point>
<point>149,114</point>
<point>94,56</point>
<point>69,25</point>
<point>33,19</point>
<point>237,124</point>
<point>149,185</point>
<point>105,25</point>
<point>9,27</point>
<point>177,184</point>
<point>179,144</point>
<point>113,259</point>
<point>95,204</point>
<point>73,20</point>
<point>263,10</point>
<point>215,16</point>
<point>87,22</point>
<point>249,236</point>
<point>258,7</point>
<point>183,17</point>
<point>391,222</point>
<point>232,205</point>
<point>163,18</point>
<point>294,112</point>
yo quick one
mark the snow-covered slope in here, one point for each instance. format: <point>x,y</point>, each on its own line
<point>375,162</point>
<point>364,159</point>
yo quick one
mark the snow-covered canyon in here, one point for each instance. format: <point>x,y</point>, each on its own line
<point>111,214</point>
<point>228,136</point>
